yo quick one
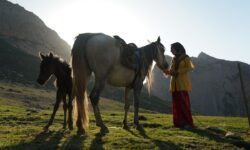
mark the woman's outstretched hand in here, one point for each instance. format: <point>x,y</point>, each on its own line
<point>170,73</point>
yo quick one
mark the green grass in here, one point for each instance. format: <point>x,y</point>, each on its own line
<point>22,128</point>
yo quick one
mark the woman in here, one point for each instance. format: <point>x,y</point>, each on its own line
<point>180,85</point>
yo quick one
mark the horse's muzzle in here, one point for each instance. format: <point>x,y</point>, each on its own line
<point>165,66</point>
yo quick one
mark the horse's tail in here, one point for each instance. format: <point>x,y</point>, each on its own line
<point>81,73</point>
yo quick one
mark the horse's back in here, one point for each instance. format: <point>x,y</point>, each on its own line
<point>102,53</point>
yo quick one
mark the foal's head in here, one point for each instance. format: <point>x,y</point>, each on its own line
<point>158,54</point>
<point>47,67</point>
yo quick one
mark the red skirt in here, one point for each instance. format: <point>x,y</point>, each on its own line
<point>181,109</point>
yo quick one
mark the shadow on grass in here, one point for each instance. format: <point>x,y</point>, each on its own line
<point>218,136</point>
<point>162,145</point>
<point>74,143</point>
<point>43,140</point>
<point>97,142</point>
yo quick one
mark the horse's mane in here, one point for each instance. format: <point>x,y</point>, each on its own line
<point>147,62</point>
<point>65,64</point>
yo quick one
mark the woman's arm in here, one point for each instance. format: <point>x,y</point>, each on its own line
<point>171,71</point>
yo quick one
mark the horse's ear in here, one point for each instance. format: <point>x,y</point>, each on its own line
<point>50,54</point>
<point>158,39</point>
<point>42,56</point>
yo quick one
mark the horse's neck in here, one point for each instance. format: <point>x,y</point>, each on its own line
<point>147,56</point>
<point>61,72</point>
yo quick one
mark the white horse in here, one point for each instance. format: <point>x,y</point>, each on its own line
<point>100,54</point>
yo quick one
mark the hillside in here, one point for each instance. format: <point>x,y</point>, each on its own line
<point>22,36</point>
<point>27,32</point>
<point>216,86</point>
<point>16,65</point>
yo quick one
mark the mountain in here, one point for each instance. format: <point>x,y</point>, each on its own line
<point>22,36</point>
<point>16,65</point>
<point>26,31</point>
<point>216,86</point>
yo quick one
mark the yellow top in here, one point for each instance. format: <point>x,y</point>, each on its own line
<point>181,82</point>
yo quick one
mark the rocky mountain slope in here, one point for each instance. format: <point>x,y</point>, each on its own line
<point>27,32</point>
<point>22,36</point>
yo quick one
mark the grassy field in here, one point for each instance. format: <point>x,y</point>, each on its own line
<point>22,118</point>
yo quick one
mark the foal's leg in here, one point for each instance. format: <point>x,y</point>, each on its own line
<point>58,100</point>
<point>70,107</point>
<point>126,108</point>
<point>94,97</point>
<point>64,111</point>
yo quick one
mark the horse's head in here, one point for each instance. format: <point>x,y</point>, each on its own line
<point>46,67</point>
<point>159,56</point>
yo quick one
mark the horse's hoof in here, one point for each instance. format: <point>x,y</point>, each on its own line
<point>66,131</point>
<point>126,127</point>
<point>81,133</point>
<point>104,130</point>
<point>70,128</point>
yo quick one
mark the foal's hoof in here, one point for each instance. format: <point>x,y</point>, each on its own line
<point>70,125</point>
<point>46,129</point>
<point>104,130</point>
<point>137,126</point>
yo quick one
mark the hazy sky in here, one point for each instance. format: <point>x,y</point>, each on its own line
<point>220,28</point>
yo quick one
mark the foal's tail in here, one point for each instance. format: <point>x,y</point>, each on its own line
<point>81,73</point>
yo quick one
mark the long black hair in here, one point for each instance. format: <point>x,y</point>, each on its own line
<point>179,48</point>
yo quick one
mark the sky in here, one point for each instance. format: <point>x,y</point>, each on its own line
<point>220,28</point>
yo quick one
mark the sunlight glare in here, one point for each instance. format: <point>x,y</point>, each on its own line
<point>112,19</point>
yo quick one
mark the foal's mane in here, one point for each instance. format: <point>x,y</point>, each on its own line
<point>63,63</point>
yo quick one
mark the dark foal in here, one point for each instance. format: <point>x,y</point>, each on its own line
<point>53,65</point>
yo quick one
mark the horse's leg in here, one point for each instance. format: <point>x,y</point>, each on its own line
<point>58,100</point>
<point>79,122</point>
<point>70,107</point>
<point>64,111</point>
<point>126,108</point>
<point>137,91</point>
<point>94,97</point>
